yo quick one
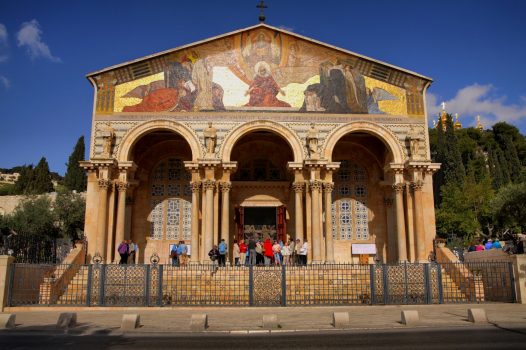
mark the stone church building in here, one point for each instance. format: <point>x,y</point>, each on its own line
<point>260,133</point>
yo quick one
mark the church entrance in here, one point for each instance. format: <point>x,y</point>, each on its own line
<point>261,223</point>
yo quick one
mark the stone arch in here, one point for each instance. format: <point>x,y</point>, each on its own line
<point>386,136</point>
<point>137,132</point>
<point>266,125</point>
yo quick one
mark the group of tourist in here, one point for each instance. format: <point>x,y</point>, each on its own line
<point>490,244</point>
<point>127,250</point>
<point>179,254</point>
<point>258,252</point>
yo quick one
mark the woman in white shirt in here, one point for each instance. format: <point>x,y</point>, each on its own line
<point>285,251</point>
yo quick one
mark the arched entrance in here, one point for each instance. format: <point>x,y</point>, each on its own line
<point>260,186</point>
<point>162,199</point>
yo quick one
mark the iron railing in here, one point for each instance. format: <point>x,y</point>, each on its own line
<point>209,285</point>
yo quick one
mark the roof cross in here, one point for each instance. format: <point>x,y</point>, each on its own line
<point>261,6</point>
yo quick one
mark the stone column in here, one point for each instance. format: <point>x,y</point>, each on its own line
<point>400,222</point>
<point>419,221</point>
<point>328,187</point>
<point>316,187</point>
<point>6,263</point>
<point>194,253</point>
<point>104,184</point>
<point>121,212</point>
<point>110,223</point>
<point>208,187</point>
<point>299,187</point>
<point>225,209</point>
<point>389,251</point>
<point>411,249</point>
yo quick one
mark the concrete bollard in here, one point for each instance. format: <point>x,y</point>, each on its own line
<point>340,319</point>
<point>199,322</point>
<point>270,321</point>
<point>410,317</point>
<point>477,316</point>
<point>130,322</point>
<point>67,320</point>
<point>7,321</point>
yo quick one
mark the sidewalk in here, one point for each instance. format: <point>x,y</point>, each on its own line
<point>248,319</point>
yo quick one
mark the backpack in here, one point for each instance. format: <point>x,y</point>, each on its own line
<point>222,248</point>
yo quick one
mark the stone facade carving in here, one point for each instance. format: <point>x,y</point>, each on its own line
<point>312,142</point>
<point>210,136</point>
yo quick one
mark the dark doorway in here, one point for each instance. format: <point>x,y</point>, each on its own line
<point>261,222</point>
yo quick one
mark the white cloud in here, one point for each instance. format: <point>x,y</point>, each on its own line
<point>29,37</point>
<point>5,82</point>
<point>3,43</point>
<point>482,100</point>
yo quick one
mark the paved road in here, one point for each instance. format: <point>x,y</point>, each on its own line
<point>488,337</point>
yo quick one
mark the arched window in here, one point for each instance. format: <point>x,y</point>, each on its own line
<point>350,214</point>
<point>171,201</point>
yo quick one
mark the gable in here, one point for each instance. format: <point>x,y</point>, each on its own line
<point>260,69</point>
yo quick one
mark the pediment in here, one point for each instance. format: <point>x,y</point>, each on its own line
<point>259,69</point>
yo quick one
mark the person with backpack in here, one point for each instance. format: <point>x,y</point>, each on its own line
<point>123,252</point>
<point>214,254</point>
<point>182,251</point>
<point>223,249</point>
<point>173,255</point>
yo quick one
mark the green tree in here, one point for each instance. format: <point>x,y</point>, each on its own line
<point>75,178</point>
<point>69,209</point>
<point>24,180</point>
<point>41,178</point>
<point>509,208</point>
<point>35,216</point>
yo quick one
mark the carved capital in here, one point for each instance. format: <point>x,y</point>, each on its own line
<point>298,187</point>
<point>328,187</point>
<point>226,186</point>
<point>104,183</point>
<point>316,185</point>
<point>417,186</point>
<point>123,186</point>
<point>196,186</point>
<point>209,185</point>
<point>399,187</point>
<point>388,201</point>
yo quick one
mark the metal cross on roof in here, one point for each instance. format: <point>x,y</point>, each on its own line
<point>261,6</point>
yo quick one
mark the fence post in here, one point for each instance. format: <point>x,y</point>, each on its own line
<point>512,283</point>
<point>159,285</point>
<point>427,284</point>
<point>88,287</point>
<point>102,283</point>
<point>385,280</point>
<point>147,285</point>
<point>251,285</point>
<point>283,286</point>
<point>439,284</point>
<point>6,281</point>
<point>372,283</point>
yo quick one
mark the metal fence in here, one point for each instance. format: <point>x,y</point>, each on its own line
<point>209,285</point>
<point>34,248</point>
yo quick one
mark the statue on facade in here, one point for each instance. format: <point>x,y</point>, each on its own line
<point>414,139</point>
<point>108,139</point>
<point>312,142</point>
<point>210,135</point>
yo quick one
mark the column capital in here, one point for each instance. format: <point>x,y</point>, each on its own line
<point>316,185</point>
<point>209,185</point>
<point>226,186</point>
<point>104,183</point>
<point>298,187</point>
<point>196,186</point>
<point>417,186</point>
<point>328,187</point>
<point>399,187</point>
<point>388,201</point>
<point>123,186</point>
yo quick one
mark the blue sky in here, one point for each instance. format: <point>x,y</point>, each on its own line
<point>474,50</point>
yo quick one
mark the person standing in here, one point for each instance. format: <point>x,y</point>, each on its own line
<point>292,250</point>
<point>236,253</point>
<point>285,252</point>
<point>182,253</point>
<point>242,253</point>
<point>123,252</point>
<point>269,254</point>
<point>297,249</point>
<point>276,249</point>
<point>223,249</point>
<point>132,251</point>
<point>173,255</point>
<point>304,251</point>
<point>252,251</point>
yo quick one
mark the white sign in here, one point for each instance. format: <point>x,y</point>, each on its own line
<point>364,249</point>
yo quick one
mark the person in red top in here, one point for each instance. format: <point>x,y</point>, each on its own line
<point>269,254</point>
<point>242,253</point>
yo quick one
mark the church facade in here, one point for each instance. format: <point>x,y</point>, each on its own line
<point>260,133</point>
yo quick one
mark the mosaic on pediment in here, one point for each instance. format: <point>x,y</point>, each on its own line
<point>261,70</point>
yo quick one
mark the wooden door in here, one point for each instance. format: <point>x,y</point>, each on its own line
<point>281,220</point>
